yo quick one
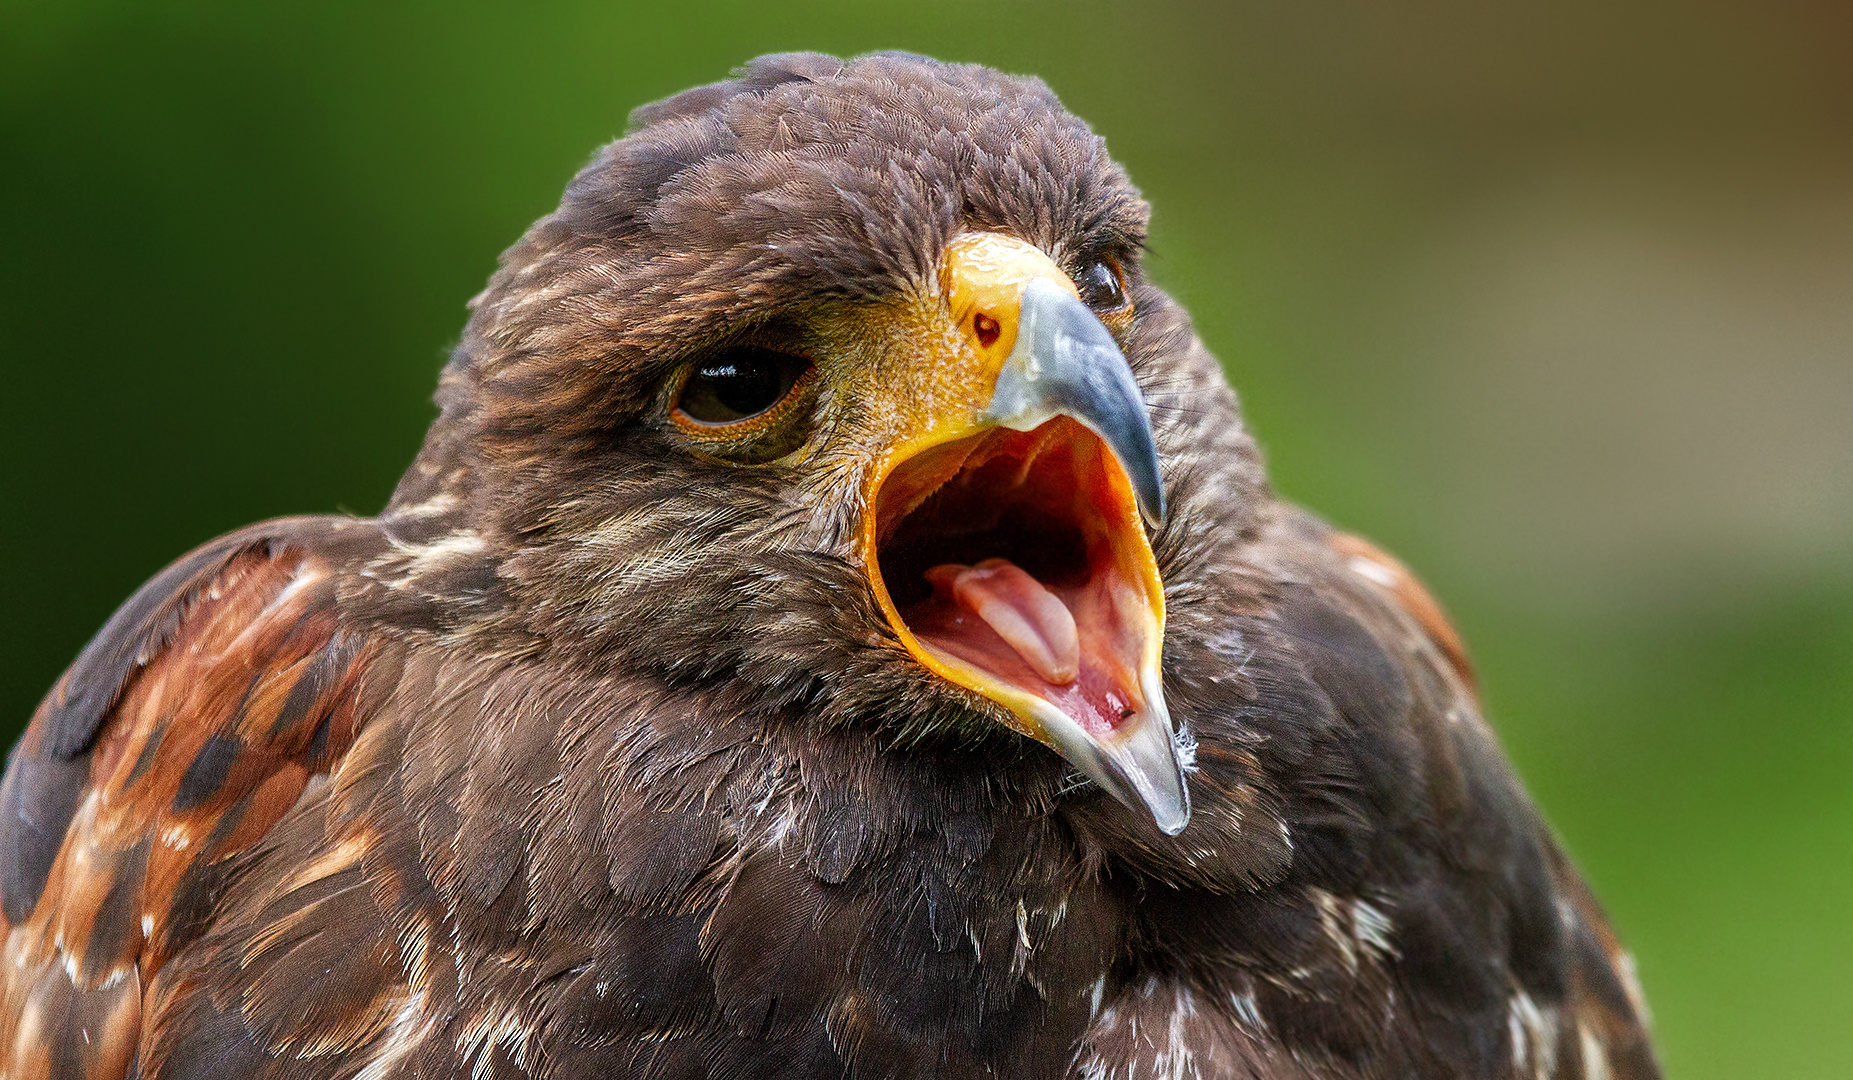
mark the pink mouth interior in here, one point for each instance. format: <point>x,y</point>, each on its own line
<point>1005,552</point>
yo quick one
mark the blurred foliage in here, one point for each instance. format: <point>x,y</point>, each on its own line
<point>1556,300</point>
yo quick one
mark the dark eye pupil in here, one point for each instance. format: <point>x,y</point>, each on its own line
<point>742,383</point>
<point>1100,288</point>
<point>742,388</point>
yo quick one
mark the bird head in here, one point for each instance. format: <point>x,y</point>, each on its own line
<point>822,389</point>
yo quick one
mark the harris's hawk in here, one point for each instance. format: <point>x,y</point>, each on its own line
<point>837,627</point>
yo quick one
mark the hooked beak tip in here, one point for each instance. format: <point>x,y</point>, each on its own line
<point>1142,766</point>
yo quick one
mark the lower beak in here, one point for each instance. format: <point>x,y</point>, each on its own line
<point>1006,538</point>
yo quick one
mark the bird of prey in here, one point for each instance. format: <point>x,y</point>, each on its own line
<point>838,626</point>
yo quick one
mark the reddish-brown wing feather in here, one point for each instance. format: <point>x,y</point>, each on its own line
<point>1609,1036</point>
<point>1389,575</point>
<point>183,732</point>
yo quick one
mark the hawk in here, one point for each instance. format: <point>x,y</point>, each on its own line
<point>838,626</point>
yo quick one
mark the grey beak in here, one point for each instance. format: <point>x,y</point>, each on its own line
<point>1065,363</point>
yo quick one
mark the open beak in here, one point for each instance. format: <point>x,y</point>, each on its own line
<point>1005,534</point>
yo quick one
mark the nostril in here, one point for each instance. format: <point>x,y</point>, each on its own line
<point>986,328</point>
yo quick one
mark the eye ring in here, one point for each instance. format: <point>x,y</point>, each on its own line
<point>1102,285</point>
<point>740,393</point>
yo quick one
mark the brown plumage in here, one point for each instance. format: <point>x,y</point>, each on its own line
<point>646,732</point>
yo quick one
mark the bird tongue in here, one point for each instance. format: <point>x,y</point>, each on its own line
<point>1029,618</point>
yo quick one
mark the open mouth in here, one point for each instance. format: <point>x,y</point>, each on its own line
<point>1003,523</point>
<point>1017,564</point>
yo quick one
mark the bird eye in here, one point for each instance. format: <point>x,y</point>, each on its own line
<point>740,384</point>
<point>1100,286</point>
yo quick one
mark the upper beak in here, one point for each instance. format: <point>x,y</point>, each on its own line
<point>1065,363</point>
<point>1005,531</point>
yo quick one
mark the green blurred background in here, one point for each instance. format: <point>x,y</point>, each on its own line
<point>1554,299</point>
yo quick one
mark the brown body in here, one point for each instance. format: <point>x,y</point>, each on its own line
<point>595,754</point>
